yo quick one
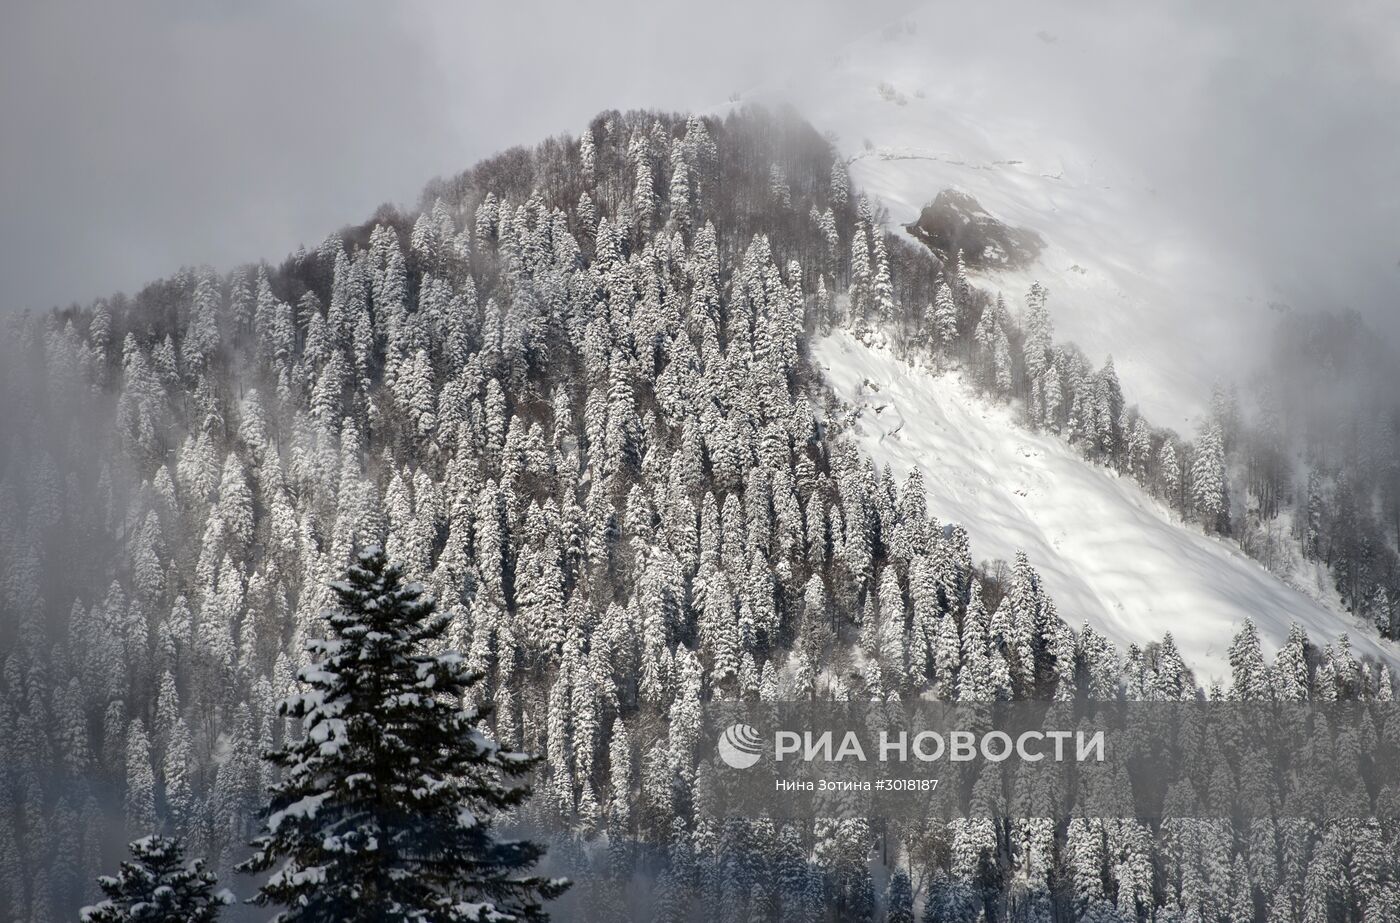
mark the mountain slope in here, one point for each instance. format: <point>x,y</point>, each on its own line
<point>575,398</point>
<point>1108,552</point>
<point>917,114</point>
<point>917,111</point>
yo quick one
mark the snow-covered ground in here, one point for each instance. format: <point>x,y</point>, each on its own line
<point>1108,552</point>
<point>923,106</point>
<point>918,110</point>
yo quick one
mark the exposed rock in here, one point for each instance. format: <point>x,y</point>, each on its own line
<point>955,220</point>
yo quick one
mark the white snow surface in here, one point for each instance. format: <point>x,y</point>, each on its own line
<point>922,110</point>
<point>1109,553</point>
<point>924,107</point>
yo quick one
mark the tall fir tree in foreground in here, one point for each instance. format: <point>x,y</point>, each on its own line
<point>384,812</point>
<point>158,887</point>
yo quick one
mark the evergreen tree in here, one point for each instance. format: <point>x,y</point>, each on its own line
<point>840,183</point>
<point>1250,678</point>
<point>1038,330</point>
<point>158,887</point>
<point>899,902</point>
<point>385,810</point>
<point>1209,485</point>
<point>140,797</point>
<point>1170,473</point>
<point>945,314</point>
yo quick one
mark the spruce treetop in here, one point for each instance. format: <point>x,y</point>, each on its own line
<point>158,887</point>
<point>385,807</point>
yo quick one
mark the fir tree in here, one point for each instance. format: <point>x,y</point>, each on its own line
<point>945,314</point>
<point>158,887</point>
<point>1209,485</point>
<point>899,902</point>
<point>840,183</point>
<point>1036,347</point>
<point>139,802</point>
<point>385,810</point>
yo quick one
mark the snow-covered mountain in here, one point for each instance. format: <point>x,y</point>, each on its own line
<point>917,114</point>
<point>582,399</point>
<point>1109,553</point>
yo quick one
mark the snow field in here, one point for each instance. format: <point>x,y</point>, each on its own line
<point>1109,553</point>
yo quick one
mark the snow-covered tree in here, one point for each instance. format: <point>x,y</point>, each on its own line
<point>899,901</point>
<point>386,807</point>
<point>840,187</point>
<point>140,801</point>
<point>945,314</point>
<point>1209,485</point>
<point>158,886</point>
<point>1036,347</point>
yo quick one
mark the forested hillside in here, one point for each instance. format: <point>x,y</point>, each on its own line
<point>574,397</point>
<point>1207,326</point>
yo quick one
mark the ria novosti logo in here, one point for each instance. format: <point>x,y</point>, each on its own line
<point>740,746</point>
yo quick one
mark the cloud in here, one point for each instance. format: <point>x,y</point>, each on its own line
<point>1268,128</point>
<point>1278,135</point>
<point>150,134</point>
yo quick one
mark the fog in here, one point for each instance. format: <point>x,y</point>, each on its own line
<point>1269,128</point>
<point>143,136</point>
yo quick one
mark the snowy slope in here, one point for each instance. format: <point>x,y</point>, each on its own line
<point>919,110</point>
<point>976,101</point>
<point>1108,552</point>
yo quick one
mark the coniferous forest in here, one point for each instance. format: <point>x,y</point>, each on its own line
<point>308,568</point>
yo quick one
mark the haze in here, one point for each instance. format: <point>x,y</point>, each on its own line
<point>143,136</point>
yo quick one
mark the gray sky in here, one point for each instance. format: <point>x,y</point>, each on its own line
<point>144,135</point>
<point>1274,126</point>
